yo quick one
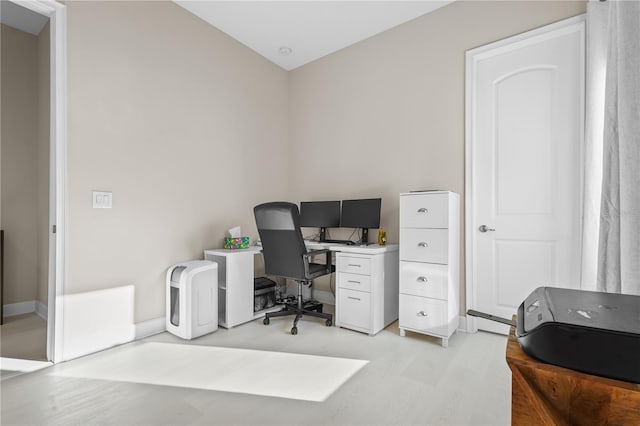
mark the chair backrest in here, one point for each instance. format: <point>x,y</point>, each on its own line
<point>282,243</point>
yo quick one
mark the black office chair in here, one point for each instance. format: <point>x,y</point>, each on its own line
<point>285,255</point>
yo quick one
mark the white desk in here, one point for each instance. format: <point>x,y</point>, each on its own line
<point>370,249</point>
<point>366,285</point>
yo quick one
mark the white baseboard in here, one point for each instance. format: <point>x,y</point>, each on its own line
<point>42,310</point>
<point>150,327</point>
<point>12,309</point>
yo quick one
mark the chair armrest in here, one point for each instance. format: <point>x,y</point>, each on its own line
<point>313,253</point>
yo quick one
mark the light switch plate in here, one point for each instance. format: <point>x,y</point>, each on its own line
<point>102,200</point>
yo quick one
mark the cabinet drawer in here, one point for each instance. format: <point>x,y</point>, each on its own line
<point>354,309</point>
<point>423,279</point>
<point>354,281</point>
<point>424,314</point>
<point>424,211</point>
<point>354,265</point>
<point>424,245</point>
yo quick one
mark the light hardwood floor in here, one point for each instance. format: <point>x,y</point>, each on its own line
<point>407,380</point>
<point>24,337</point>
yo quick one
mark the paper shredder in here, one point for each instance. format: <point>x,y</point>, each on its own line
<point>192,298</point>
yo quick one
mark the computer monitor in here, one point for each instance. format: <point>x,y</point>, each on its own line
<point>363,214</point>
<point>320,214</point>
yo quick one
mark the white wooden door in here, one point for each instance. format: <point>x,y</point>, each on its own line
<point>524,131</point>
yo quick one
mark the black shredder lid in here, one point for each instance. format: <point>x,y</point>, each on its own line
<point>607,311</point>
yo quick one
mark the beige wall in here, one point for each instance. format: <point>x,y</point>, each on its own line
<point>42,169</point>
<point>187,127</point>
<point>190,129</point>
<point>19,165</point>
<point>386,115</point>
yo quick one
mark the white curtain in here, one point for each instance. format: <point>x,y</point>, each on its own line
<point>619,239</point>
<point>597,38</point>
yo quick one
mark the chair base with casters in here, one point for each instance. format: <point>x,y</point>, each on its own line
<point>298,310</point>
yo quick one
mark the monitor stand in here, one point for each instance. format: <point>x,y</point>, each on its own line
<point>323,234</point>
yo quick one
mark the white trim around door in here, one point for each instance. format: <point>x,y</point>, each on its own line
<point>473,57</point>
<point>57,14</point>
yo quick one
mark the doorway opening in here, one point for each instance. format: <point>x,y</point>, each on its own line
<point>32,182</point>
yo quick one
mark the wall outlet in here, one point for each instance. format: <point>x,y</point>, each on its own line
<point>102,200</point>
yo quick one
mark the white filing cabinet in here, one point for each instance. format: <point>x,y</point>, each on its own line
<point>429,263</point>
<point>367,287</point>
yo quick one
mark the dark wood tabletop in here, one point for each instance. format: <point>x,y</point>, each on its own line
<point>545,394</point>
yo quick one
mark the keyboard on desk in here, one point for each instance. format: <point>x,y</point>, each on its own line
<point>346,242</point>
<point>314,242</point>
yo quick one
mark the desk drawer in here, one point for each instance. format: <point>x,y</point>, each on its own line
<point>424,245</point>
<point>354,281</point>
<point>424,314</point>
<point>424,211</point>
<point>354,265</point>
<point>424,279</point>
<point>354,309</point>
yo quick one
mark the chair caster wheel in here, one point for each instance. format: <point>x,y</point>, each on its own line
<point>294,330</point>
<point>328,323</point>
<point>265,321</point>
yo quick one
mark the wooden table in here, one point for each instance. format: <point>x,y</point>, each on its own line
<point>544,394</point>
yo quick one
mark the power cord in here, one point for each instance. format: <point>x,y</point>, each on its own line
<point>312,237</point>
<point>353,232</point>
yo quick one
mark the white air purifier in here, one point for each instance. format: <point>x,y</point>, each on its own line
<point>192,298</point>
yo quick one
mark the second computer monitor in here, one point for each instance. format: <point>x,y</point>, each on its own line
<point>320,214</point>
<point>363,214</point>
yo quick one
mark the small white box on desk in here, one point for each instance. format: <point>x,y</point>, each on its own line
<point>192,298</point>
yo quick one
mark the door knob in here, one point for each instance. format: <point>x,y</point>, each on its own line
<point>485,228</point>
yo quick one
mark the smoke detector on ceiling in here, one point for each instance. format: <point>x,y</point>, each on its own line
<point>285,51</point>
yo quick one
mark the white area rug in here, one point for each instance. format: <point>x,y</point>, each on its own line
<point>277,374</point>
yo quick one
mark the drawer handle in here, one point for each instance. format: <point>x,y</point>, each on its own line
<point>423,210</point>
<point>421,314</point>
<point>422,279</point>
<point>352,281</point>
<point>354,298</point>
<point>423,244</point>
<point>353,264</point>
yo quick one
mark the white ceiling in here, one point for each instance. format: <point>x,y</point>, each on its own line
<point>311,29</point>
<point>21,18</point>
